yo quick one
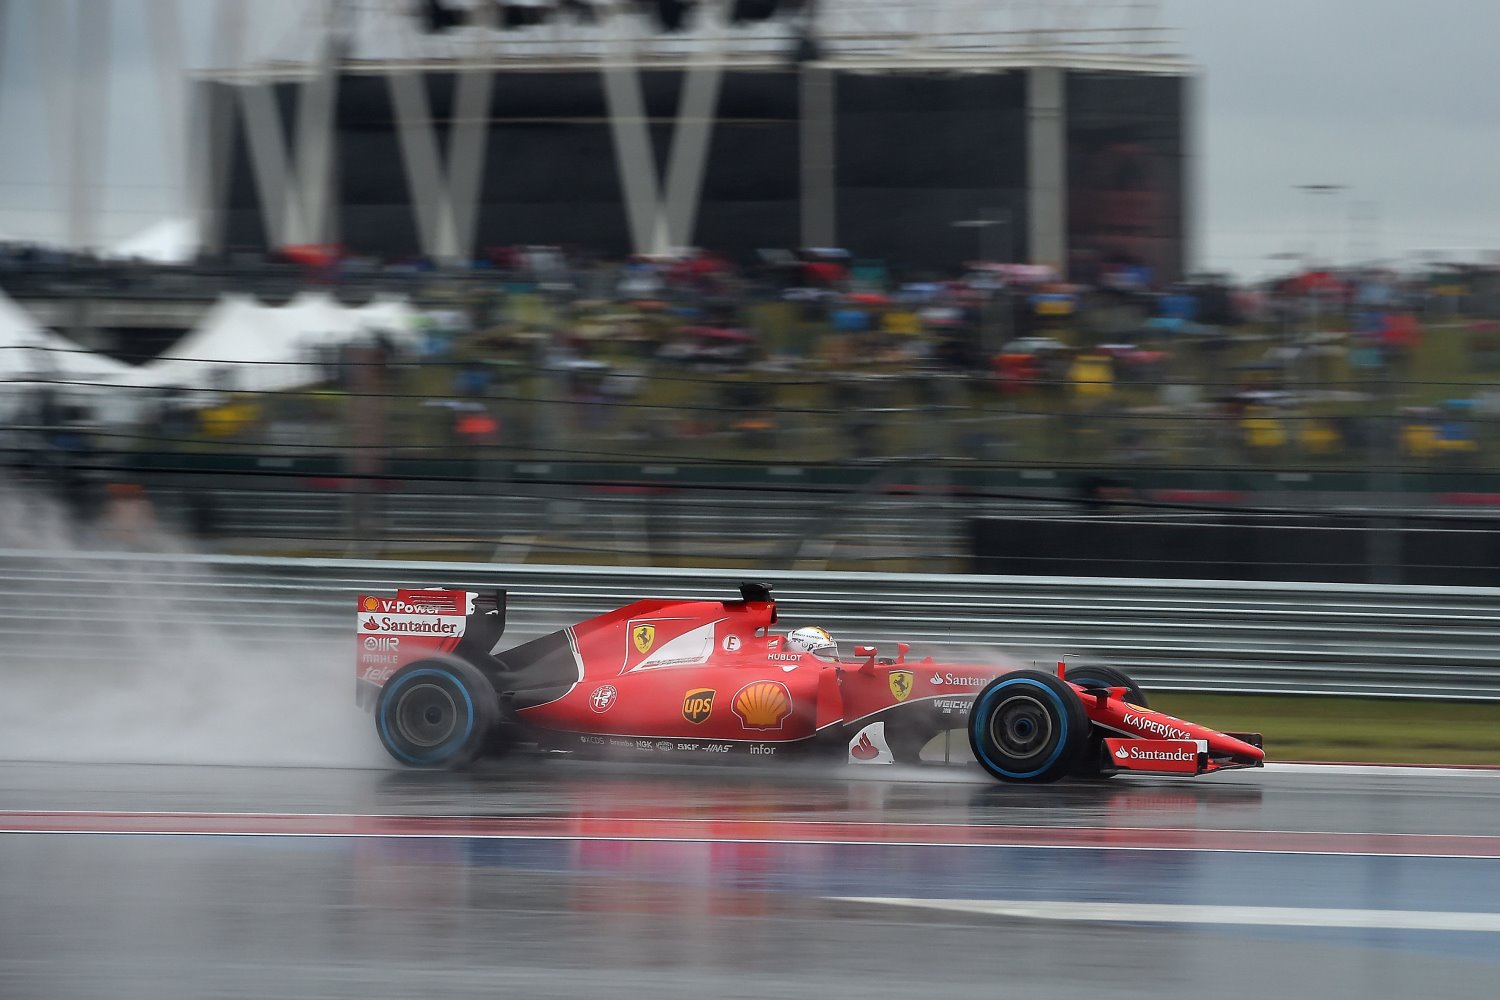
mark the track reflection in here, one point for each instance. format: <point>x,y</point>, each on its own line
<point>354,911</point>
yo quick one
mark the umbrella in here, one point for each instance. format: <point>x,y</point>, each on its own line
<point>313,254</point>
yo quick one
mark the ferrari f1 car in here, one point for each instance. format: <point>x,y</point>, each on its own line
<point>700,679</point>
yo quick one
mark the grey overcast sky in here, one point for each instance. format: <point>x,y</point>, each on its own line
<point>1399,101</point>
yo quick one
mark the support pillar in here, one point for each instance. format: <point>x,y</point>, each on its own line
<point>87,111</point>
<point>315,138</point>
<point>1191,181</point>
<point>663,215</point>
<point>1047,167</point>
<point>294,184</point>
<point>211,130</point>
<point>816,157</point>
<point>445,201</point>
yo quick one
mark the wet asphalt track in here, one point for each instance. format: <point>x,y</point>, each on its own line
<point>554,878</point>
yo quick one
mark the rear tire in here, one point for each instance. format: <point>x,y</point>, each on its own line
<point>436,713</point>
<point>1027,726</point>
<point>1091,763</point>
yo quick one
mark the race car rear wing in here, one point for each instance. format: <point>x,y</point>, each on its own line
<point>487,622</point>
<point>486,602</point>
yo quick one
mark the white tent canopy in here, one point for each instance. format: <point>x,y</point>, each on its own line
<point>169,241</point>
<point>33,358</point>
<point>243,344</point>
<point>240,344</point>
<point>29,351</point>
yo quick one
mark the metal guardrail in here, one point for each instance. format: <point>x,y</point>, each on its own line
<point>1426,642</point>
<point>520,521</point>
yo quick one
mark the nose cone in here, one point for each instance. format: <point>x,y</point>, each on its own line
<point>1223,743</point>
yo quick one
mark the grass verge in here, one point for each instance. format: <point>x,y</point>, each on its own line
<point>1371,730</point>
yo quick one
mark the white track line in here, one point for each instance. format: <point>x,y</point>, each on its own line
<point>1175,913</point>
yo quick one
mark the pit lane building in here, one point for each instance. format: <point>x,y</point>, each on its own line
<point>921,133</point>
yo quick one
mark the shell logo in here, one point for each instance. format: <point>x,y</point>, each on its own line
<point>762,704</point>
<point>371,604</point>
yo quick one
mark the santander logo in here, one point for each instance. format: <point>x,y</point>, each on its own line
<point>1122,753</point>
<point>864,749</point>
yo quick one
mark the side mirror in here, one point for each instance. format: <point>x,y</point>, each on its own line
<point>902,648</point>
<point>864,650</point>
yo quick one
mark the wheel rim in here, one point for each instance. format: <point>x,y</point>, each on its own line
<point>1021,727</point>
<point>426,715</point>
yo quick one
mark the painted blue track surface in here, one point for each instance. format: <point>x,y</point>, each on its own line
<point>1022,873</point>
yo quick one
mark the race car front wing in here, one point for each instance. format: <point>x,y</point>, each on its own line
<point>1174,756</point>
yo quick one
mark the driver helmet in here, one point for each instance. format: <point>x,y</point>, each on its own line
<point>814,640</point>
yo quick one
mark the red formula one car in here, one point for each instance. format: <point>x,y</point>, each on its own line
<point>696,679</point>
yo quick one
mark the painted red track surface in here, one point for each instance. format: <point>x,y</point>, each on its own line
<point>624,828</point>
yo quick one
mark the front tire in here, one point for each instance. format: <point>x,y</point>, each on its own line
<point>436,713</point>
<point>1092,763</point>
<point>1027,726</point>
<point>1089,675</point>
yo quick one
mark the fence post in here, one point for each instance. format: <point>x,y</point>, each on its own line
<point>367,443</point>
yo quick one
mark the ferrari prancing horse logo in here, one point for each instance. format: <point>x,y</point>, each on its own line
<point>901,684</point>
<point>645,638</point>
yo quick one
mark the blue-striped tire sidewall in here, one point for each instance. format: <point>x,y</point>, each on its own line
<point>979,722</point>
<point>440,753</point>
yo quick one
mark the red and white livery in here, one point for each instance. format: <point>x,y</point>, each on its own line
<point>706,679</point>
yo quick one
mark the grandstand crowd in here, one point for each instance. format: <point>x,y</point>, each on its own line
<point>817,356</point>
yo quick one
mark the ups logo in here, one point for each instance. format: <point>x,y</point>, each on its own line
<point>698,705</point>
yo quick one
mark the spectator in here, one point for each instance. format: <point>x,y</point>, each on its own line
<point>129,519</point>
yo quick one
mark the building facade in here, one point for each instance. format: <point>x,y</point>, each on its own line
<point>921,162</point>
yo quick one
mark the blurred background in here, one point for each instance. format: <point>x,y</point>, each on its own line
<point>1162,334</point>
<point>899,285</point>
